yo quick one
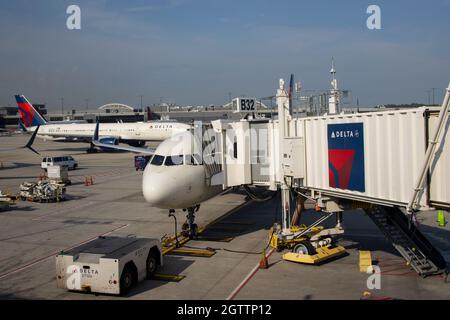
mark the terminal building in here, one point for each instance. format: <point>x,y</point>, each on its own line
<point>118,112</point>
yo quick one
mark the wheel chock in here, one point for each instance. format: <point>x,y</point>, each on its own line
<point>323,254</point>
<point>168,277</point>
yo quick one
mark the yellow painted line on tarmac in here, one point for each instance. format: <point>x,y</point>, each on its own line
<point>193,252</point>
<point>168,277</point>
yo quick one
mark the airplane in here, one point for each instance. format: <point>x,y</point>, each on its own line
<point>176,177</point>
<point>134,134</point>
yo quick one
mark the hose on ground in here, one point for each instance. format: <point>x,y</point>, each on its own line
<point>256,197</point>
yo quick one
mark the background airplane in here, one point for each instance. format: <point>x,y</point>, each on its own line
<point>134,134</point>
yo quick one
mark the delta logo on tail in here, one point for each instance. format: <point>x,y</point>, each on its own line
<point>29,116</point>
<point>346,156</point>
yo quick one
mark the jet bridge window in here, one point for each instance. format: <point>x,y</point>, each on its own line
<point>192,159</point>
<point>157,160</point>
<point>174,160</point>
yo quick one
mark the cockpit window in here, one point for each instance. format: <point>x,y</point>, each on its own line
<point>174,160</point>
<point>157,160</point>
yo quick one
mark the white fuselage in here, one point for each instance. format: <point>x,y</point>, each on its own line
<point>177,186</point>
<point>144,131</point>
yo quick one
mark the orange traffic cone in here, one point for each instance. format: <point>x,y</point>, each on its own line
<point>264,263</point>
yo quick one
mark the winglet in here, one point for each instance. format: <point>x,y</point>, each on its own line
<point>95,138</point>
<point>30,142</point>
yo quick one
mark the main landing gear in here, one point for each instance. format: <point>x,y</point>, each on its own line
<point>190,228</point>
<point>91,149</point>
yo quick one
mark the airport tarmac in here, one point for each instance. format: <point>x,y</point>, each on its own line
<point>31,234</point>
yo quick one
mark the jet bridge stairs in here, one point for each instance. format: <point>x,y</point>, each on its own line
<point>407,239</point>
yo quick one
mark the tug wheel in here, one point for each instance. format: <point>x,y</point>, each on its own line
<point>126,280</point>
<point>152,265</point>
<point>304,247</point>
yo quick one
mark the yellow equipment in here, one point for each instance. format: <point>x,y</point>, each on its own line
<point>365,260</point>
<point>303,248</point>
<point>280,243</point>
<point>323,254</point>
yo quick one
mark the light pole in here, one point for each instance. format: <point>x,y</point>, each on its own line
<point>62,107</point>
<point>87,105</point>
<point>141,101</point>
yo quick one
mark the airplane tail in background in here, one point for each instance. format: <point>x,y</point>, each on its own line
<point>28,114</point>
<point>291,92</point>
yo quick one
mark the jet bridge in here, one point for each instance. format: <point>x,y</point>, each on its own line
<point>393,158</point>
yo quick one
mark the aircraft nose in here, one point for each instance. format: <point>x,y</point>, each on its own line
<point>156,189</point>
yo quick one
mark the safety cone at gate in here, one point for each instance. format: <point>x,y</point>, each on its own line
<point>263,263</point>
<point>88,181</point>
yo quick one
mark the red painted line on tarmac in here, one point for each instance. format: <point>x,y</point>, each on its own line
<point>249,276</point>
<point>35,262</point>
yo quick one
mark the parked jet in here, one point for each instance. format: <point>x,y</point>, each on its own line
<point>176,177</point>
<point>133,134</point>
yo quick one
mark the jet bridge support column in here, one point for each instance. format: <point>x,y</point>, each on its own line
<point>286,214</point>
<point>433,143</point>
<point>283,114</point>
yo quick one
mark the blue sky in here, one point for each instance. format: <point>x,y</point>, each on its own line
<point>197,51</point>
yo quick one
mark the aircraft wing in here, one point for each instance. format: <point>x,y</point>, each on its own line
<point>149,151</point>
<point>97,143</point>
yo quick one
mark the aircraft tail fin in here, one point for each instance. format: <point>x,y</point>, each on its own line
<point>28,114</point>
<point>291,92</point>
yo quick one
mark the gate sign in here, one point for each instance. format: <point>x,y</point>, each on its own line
<point>244,105</point>
<point>346,156</point>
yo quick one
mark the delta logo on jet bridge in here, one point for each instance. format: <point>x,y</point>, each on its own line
<point>346,156</point>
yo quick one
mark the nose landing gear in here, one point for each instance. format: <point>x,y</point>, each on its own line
<point>190,228</point>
